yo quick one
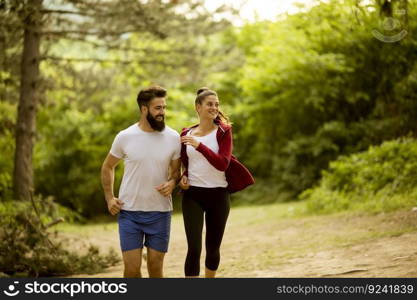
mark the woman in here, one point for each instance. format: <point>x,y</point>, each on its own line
<point>206,155</point>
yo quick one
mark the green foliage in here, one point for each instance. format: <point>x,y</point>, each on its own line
<point>384,178</point>
<point>28,249</point>
<point>300,91</point>
<point>69,160</point>
<point>7,122</point>
<point>316,85</point>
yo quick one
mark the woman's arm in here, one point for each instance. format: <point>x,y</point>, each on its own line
<point>219,160</point>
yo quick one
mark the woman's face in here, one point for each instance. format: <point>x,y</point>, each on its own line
<point>209,108</point>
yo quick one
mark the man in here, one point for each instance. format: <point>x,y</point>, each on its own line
<point>151,153</point>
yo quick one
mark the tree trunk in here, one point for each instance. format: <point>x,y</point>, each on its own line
<point>26,116</point>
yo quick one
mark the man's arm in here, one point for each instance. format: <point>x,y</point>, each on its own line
<point>175,171</point>
<point>184,179</point>
<point>174,176</point>
<point>107,180</point>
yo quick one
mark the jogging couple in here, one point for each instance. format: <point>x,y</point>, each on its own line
<point>153,154</point>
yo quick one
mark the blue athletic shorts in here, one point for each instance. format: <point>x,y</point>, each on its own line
<point>152,226</point>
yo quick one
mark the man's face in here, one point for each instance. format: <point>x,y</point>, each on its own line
<point>156,113</point>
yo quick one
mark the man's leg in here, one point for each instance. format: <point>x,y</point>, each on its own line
<point>157,233</point>
<point>132,260</point>
<point>155,260</point>
<point>131,242</point>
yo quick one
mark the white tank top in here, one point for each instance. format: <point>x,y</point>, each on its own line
<point>200,172</point>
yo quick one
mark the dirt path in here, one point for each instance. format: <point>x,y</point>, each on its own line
<point>383,245</point>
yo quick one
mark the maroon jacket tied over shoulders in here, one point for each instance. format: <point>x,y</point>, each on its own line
<point>237,175</point>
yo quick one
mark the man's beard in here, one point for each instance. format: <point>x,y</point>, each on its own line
<point>155,124</point>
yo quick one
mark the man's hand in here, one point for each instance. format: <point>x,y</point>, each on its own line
<point>184,183</point>
<point>166,188</point>
<point>114,205</point>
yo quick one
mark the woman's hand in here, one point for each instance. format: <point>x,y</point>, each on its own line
<point>189,140</point>
<point>184,183</point>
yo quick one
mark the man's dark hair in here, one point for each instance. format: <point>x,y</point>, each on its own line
<point>147,94</point>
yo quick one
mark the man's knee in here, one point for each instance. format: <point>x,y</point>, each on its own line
<point>132,269</point>
<point>132,272</point>
<point>155,260</point>
<point>155,264</point>
<point>132,262</point>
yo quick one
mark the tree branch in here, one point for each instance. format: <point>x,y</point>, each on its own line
<point>61,11</point>
<point>85,32</point>
<point>182,49</point>
<point>102,60</point>
<point>79,59</point>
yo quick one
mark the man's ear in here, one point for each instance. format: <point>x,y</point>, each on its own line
<point>144,110</point>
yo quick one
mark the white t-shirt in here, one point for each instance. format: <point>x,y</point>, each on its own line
<point>147,156</point>
<point>200,172</point>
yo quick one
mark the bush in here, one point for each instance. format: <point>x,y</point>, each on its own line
<point>384,178</point>
<point>26,248</point>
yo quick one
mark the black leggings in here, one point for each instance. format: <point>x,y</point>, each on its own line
<point>215,203</point>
